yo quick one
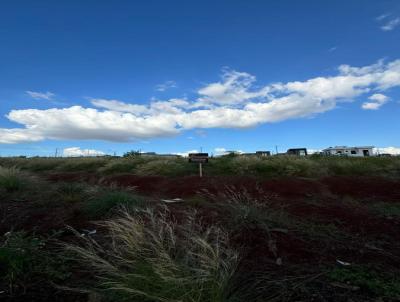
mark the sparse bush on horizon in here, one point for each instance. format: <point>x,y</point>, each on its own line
<point>273,166</point>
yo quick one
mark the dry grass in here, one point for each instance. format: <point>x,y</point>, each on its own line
<point>151,257</point>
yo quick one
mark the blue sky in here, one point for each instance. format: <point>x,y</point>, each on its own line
<point>174,76</point>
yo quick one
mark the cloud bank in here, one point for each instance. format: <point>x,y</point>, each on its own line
<point>233,102</point>
<point>77,151</point>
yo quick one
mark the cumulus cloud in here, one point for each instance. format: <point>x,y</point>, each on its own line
<point>186,154</point>
<point>166,85</point>
<point>388,150</point>
<point>233,102</point>
<point>377,100</point>
<point>391,24</point>
<point>77,151</point>
<point>234,89</point>
<point>40,95</point>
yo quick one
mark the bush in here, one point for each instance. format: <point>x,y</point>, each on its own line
<point>100,206</point>
<point>11,179</point>
<point>151,258</point>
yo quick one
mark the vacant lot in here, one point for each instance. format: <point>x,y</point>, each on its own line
<point>149,229</point>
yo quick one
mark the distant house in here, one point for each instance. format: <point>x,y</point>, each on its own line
<point>263,153</point>
<point>258,154</point>
<point>297,151</point>
<point>349,151</point>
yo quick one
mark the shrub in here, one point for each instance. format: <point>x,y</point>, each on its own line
<point>11,179</point>
<point>100,206</point>
<point>151,258</point>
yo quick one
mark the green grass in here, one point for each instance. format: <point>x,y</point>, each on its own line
<point>368,279</point>
<point>99,206</point>
<point>11,179</point>
<point>71,192</point>
<point>25,262</point>
<point>273,166</point>
<point>386,209</point>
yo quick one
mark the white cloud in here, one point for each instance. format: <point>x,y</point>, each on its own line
<point>377,99</point>
<point>77,151</point>
<point>388,150</point>
<point>40,95</point>
<point>16,135</point>
<point>220,151</point>
<point>186,154</point>
<point>234,102</point>
<point>381,17</point>
<point>391,24</point>
<point>115,105</point>
<point>234,89</point>
<point>166,85</point>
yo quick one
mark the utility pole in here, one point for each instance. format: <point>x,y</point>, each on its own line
<point>276,149</point>
<point>55,155</point>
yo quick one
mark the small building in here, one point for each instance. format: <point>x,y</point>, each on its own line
<point>263,153</point>
<point>361,151</point>
<point>257,153</point>
<point>297,151</point>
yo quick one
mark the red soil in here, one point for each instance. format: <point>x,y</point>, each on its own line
<point>359,187</point>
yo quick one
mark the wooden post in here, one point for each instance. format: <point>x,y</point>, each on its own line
<point>201,169</point>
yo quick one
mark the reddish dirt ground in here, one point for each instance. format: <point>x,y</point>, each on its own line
<point>358,187</point>
<point>339,201</point>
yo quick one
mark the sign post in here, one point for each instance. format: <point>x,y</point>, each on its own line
<point>200,158</point>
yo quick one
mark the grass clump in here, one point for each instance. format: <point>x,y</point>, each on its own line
<point>386,209</point>
<point>153,258</point>
<point>86,164</point>
<point>25,263</point>
<point>11,179</point>
<point>122,165</point>
<point>71,192</point>
<point>368,279</point>
<point>99,206</point>
<point>166,167</point>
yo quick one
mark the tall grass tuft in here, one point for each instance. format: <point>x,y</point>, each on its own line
<point>101,205</point>
<point>150,257</point>
<point>11,179</point>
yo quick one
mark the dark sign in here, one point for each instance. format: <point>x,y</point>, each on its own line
<point>198,157</point>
